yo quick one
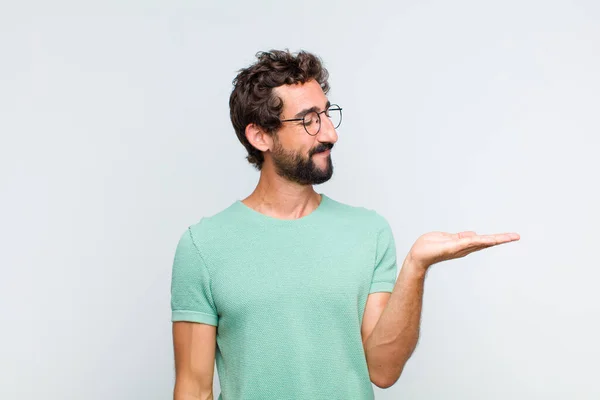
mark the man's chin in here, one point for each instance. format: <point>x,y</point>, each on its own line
<point>321,180</point>
<point>325,174</point>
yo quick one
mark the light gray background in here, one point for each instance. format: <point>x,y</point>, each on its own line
<point>457,115</point>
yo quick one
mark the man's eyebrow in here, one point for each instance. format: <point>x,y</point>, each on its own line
<point>311,109</point>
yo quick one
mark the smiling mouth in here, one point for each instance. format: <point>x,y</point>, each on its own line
<point>324,151</point>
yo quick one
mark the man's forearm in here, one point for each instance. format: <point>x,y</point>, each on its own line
<point>191,392</point>
<point>179,396</point>
<point>396,333</point>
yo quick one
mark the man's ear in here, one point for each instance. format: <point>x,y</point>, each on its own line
<point>258,137</point>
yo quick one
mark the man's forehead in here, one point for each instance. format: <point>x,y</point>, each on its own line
<point>301,95</point>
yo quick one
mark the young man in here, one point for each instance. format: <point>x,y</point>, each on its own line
<point>295,294</point>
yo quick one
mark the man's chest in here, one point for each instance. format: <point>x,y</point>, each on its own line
<point>286,278</point>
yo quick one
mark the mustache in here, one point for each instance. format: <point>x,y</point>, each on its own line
<point>321,148</point>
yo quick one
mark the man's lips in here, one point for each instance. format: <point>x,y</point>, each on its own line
<point>325,150</point>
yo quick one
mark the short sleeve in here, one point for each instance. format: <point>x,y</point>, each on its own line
<point>191,296</point>
<point>385,269</point>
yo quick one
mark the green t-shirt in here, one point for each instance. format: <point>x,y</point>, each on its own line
<point>287,297</point>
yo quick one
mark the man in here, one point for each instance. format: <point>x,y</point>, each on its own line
<point>295,294</point>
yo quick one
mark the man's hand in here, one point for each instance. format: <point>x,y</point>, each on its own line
<point>434,247</point>
<point>394,336</point>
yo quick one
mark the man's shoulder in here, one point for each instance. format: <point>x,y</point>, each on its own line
<point>216,219</point>
<point>357,213</point>
<point>210,225</point>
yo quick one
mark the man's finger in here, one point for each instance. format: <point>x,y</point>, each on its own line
<point>495,238</point>
<point>504,237</point>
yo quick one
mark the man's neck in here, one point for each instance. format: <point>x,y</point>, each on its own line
<point>280,198</point>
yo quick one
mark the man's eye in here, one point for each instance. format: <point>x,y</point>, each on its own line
<point>310,119</point>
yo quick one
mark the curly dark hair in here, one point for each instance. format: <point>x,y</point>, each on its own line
<point>252,100</point>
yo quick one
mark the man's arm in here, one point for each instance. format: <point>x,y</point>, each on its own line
<point>194,347</point>
<point>394,336</point>
<point>390,328</point>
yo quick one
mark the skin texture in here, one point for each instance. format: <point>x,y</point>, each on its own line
<point>194,348</point>
<point>390,327</point>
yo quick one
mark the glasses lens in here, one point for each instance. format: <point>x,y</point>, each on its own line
<point>335,115</point>
<point>312,123</point>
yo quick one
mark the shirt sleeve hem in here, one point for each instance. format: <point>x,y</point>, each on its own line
<point>194,316</point>
<point>381,287</point>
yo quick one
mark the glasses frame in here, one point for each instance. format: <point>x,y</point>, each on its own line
<point>331,107</point>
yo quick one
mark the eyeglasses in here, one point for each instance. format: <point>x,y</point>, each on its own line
<point>312,120</point>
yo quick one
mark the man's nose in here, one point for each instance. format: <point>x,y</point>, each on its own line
<point>327,133</point>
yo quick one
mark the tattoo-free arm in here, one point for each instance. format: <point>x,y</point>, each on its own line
<point>194,347</point>
<point>396,332</point>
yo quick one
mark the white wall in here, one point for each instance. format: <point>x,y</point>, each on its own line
<point>457,115</point>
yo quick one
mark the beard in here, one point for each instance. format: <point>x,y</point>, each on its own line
<point>296,167</point>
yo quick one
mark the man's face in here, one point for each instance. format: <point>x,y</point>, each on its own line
<point>296,155</point>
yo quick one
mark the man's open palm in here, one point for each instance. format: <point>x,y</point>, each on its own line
<point>434,247</point>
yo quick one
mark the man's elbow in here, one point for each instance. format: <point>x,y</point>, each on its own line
<point>385,379</point>
<point>384,383</point>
